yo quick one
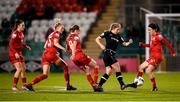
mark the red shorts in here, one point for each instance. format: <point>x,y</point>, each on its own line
<point>81,60</point>
<point>13,59</point>
<point>154,61</point>
<point>49,57</point>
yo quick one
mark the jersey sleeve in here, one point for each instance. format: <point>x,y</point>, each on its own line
<point>57,35</point>
<point>121,40</point>
<point>163,40</point>
<point>144,45</point>
<point>103,35</point>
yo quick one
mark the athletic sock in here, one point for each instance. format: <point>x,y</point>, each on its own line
<point>38,79</point>
<point>15,81</point>
<point>23,81</point>
<point>103,79</point>
<point>139,74</point>
<point>96,71</point>
<point>90,80</point>
<point>66,76</point>
<point>153,81</point>
<point>119,78</point>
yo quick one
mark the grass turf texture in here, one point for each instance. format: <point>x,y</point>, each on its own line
<point>53,89</point>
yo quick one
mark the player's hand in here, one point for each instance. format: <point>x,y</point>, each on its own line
<point>17,55</point>
<point>130,41</point>
<point>174,55</point>
<point>102,47</point>
<point>28,47</point>
<point>140,43</point>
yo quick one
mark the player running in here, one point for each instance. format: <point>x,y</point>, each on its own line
<point>156,55</point>
<point>51,56</point>
<point>83,61</point>
<point>16,45</point>
<point>112,38</point>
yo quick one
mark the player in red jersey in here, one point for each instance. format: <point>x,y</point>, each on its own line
<point>83,61</point>
<point>16,45</point>
<point>51,56</point>
<point>156,54</point>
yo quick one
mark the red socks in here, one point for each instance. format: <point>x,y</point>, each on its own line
<point>139,74</point>
<point>23,81</point>
<point>90,80</point>
<point>66,76</point>
<point>153,81</point>
<point>15,81</point>
<point>96,72</point>
<point>38,79</point>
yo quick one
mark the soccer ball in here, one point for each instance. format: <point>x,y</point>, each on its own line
<point>139,81</point>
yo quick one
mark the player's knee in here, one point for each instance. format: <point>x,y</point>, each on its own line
<point>97,66</point>
<point>18,70</point>
<point>148,71</point>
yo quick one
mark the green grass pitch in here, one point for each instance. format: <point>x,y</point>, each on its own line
<point>53,89</point>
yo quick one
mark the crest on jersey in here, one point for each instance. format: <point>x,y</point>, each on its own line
<point>57,35</point>
<point>76,38</point>
<point>14,35</point>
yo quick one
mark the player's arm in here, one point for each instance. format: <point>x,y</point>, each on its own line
<point>163,40</point>
<point>45,45</point>
<point>143,44</point>
<point>73,48</point>
<point>98,41</point>
<point>26,46</point>
<point>127,43</point>
<point>56,44</point>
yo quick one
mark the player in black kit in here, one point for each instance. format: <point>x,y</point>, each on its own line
<point>112,38</point>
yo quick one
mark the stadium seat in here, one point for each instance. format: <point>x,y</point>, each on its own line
<point>44,23</point>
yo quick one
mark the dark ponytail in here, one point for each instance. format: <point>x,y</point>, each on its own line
<point>18,22</point>
<point>154,26</point>
<point>73,28</point>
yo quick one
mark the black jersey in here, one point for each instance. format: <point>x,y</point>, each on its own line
<point>112,40</point>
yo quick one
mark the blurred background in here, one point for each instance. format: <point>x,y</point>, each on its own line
<point>94,17</point>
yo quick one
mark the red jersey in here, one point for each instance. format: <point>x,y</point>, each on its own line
<point>16,43</point>
<point>80,59</point>
<point>70,39</point>
<point>156,46</point>
<point>50,40</point>
<point>50,54</point>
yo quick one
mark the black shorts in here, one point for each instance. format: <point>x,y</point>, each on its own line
<point>109,58</point>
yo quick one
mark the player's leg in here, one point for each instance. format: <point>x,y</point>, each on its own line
<point>23,75</point>
<point>88,75</point>
<point>46,69</point>
<point>105,77</point>
<point>95,66</point>
<point>151,75</point>
<point>141,69</point>
<point>119,76</point>
<point>60,62</point>
<point>139,74</point>
<point>16,75</point>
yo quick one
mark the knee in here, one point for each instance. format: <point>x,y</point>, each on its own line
<point>97,66</point>
<point>18,70</point>
<point>148,71</point>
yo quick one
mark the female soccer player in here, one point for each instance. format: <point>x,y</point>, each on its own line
<point>51,56</point>
<point>79,58</point>
<point>16,45</point>
<point>156,54</point>
<point>112,38</point>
